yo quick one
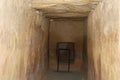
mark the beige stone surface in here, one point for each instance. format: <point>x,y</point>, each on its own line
<point>103,41</point>
<point>23,36</point>
<point>66,31</point>
<point>58,1</point>
<point>65,8</point>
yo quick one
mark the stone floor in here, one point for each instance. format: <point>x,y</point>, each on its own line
<point>53,75</point>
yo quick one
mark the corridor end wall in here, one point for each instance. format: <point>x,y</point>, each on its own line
<point>66,31</point>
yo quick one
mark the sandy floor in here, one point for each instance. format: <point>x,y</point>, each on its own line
<point>52,75</point>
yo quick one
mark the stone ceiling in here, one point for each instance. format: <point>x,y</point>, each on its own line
<point>65,8</point>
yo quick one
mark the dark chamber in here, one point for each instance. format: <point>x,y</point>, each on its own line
<point>66,52</point>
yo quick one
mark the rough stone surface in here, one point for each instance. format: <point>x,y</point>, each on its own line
<point>23,36</point>
<point>104,41</point>
<point>65,8</point>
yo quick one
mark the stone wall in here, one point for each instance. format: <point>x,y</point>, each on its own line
<point>66,31</point>
<point>104,42</point>
<point>23,41</point>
